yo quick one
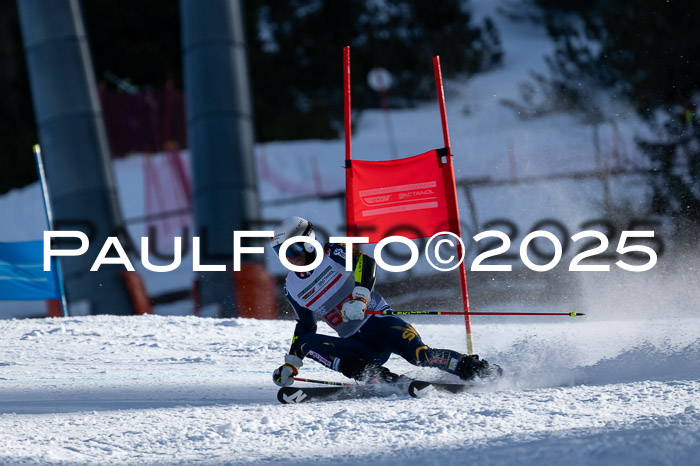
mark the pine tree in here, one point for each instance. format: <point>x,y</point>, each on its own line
<point>643,52</point>
<point>296,57</point>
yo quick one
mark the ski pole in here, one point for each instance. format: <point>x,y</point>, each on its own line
<point>448,313</point>
<point>323,382</point>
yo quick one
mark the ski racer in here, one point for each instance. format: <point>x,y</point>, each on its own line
<point>340,298</point>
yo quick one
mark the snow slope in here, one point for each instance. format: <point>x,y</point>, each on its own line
<point>186,390</point>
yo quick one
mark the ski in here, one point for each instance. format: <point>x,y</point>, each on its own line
<point>293,395</point>
<point>415,388</point>
<point>421,388</point>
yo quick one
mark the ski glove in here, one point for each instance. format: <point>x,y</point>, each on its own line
<point>284,375</point>
<point>356,307</point>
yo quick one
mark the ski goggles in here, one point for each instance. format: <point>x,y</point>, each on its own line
<point>292,251</point>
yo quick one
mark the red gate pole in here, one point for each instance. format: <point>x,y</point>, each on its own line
<point>346,102</point>
<point>456,225</point>
<point>349,226</point>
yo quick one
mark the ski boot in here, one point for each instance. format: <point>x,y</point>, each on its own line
<point>470,366</point>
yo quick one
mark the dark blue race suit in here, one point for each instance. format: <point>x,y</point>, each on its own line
<point>320,294</point>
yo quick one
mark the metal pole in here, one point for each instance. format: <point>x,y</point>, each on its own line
<point>451,313</point>
<point>324,382</point>
<point>221,139</point>
<point>73,139</point>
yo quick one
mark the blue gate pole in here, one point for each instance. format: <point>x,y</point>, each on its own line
<point>49,222</point>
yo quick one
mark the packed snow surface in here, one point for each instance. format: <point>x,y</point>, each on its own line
<point>188,390</point>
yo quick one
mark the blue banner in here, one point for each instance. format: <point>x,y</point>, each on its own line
<point>22,275</point>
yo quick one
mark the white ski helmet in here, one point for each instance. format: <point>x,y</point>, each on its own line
<point>288,228</point>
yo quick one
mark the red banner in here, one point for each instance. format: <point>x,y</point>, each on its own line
<point>412,197</point>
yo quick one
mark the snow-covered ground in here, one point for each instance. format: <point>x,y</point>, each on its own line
<point>187,390</point>
<point>618,386</point>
